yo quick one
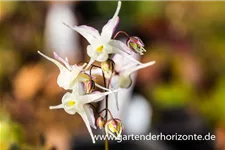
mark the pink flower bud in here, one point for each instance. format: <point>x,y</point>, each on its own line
<point>114,127</point>
<point>136,45</point>
<point>89,86</point>
<point>108,68</point>
<point>100,122</point>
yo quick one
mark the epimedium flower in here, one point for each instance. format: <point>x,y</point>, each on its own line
<point>124,79</point>
<point>74,103</point>
<point>69,74</point>
<point>101,45</point>
<point>114,127</point>
<point>100,122</point>
<point>136,45</point>
<point>108,68</point>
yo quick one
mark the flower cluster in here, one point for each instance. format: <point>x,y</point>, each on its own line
<point>79,80</point>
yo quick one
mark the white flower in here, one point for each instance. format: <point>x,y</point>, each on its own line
<point>74,103</point>
<point>124,79</point>
<point>69,75</point>
<point>101,45</point>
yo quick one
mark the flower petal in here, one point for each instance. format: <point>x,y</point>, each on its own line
<point>60,106</point>
<point>120,45</point>
<point>91,34</point>
<point>62,60</point>
<point>138,67</point>
<point>127,56</point>
<point>86,121</point>
<point>60,66</point>
<point>90,115</point>
<point>102,57</point>
<point>94,97</point>
<point>109,28</point>
<point>91,61</point>
<point>75,72</point>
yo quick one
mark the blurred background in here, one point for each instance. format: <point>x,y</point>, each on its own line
<point>184,89</point>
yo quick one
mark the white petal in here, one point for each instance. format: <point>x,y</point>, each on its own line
<point>85,118</point>
<point>109,28</point>
<point>91,61</point>
<point>91,34</point>
<point>60,106</point>
<point>94,97</point>
<point>62,60</point>
<point>127,56</point>
<point>120,45</point>
<point>115,95</point>
<point>91,51</point>
<point>90,115</point>
<point>60,66</point>
<point>103,56</point>
<point>75,72</point>
<point>71,110</point>
<point>63,80</point>
<point>138,67</point>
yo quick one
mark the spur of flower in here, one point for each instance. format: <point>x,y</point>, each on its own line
<point>101,45</point>
<point>74,103</point>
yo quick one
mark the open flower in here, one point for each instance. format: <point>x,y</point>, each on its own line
<point>74,103</point>
<point>69,75</point>
<point>101,45</point>
<point>124,79</point>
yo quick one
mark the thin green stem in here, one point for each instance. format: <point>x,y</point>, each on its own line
<point>106,115</point>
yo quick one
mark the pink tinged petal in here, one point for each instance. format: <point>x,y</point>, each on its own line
<point>127,56</point>
<point>109,28</point>
<point>90,115</point>
<point>120,45</point>
<point>86,121</point>
<point>60,66</point>
<point>91,34</point>
<point>62,60</point>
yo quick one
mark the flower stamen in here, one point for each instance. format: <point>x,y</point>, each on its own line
<point>71,103</point>
<point>100,48</point>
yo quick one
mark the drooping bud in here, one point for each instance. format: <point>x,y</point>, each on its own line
<point>100,122</point>
<point>108,68</point>
<point>125,81</point>
<point>114,127</point>
<point>136,45</point>
<point>89,86</point>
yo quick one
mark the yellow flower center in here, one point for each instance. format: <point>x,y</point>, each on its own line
<point>71,103</point>
<point>100,48</point>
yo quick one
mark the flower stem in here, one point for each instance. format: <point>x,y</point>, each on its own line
<point>106,144</point>
<point>119,32</point>
<point>106,115</point>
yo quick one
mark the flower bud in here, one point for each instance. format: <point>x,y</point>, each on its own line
<point>89,86</point>
<point>100,122</point>
<point>108,68</point>
<point>136,45</point>
<point>114,127</point>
